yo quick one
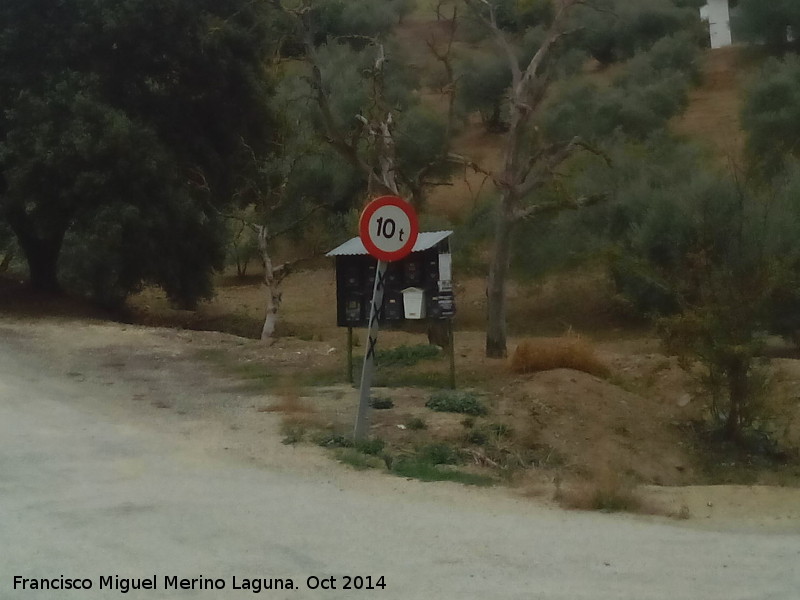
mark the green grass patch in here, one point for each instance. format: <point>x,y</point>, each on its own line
<point>373,447</point>
<point>359,460</point>
<point>425,471</point>
<point>406,356</point>
<point>438,454</point>
<point>457,401</point>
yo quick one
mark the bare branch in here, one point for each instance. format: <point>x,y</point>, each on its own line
<point>474,166</point>
<point>538,210</point>
<point>500,37</point>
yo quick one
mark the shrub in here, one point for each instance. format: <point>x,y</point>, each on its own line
<point>374,446</point>
<point>606,492</point>
<point>478,437</point>
<point>545,354</point>
<point>771,115</point>
<point>493,432</point>
<point>416,424</point>
<point>358,460</point>
<point>381,403</point>
<point>438,454</point>
<point>454,401</point>
<point>333,440</point>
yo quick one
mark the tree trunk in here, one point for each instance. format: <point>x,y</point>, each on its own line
<point>43,267</point>
<point>41,253</point>
<point>271,319</point>
<point>272,286</point>
<point>42,258</point>
<point>7,258</point>
<point>738,392</point>
<point>496,288</point>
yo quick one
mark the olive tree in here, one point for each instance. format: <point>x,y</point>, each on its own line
<point>121,130</point>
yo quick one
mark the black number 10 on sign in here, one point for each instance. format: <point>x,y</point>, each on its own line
<point>388,228</point>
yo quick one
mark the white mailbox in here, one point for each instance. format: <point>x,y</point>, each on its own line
<point>414,303</point>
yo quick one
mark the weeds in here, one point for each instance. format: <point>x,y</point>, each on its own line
<point>438,454</point>
<point>406,356</point>
<point>293,433</point>
<point>358,460</point>
<point>416,424</point>
<point>333,440</point>
<point>425,471</point>
<point>456,401</point>
<point>381,403</point>
<point>606,492</point>
<point>373,447</point>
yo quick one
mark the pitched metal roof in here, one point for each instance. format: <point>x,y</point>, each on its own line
<point>425,241</point>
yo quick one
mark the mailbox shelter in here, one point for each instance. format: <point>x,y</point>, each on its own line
<point>424,276</point>
<point>418,288</point>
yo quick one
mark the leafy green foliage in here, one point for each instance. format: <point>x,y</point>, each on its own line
<point>620,29</point>
<point>768,22</point>
<point>342,18</point>
<point>483,79</point>
<point>720,254</point>
<point>653,89</point>
<point>456,401</point>
<point>771,115</point>
<point>107,110</point>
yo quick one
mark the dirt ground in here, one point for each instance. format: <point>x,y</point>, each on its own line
<point>145,371</point>
<point>123,453</point>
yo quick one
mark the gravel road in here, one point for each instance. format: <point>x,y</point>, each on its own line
<point>88,492</point>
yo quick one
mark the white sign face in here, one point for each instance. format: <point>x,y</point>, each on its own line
<point>389,228</point>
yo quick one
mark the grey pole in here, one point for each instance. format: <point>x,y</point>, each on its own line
<point>349,355</point>
<point>362,419</point>
<point>452,353</point>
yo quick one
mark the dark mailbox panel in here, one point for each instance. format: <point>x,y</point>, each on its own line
<point>355,279</point>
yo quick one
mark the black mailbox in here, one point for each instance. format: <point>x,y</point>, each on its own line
<point>393,306</point>
<point>432,269</point>
<point>412,271</point>
<point>353,309</point>
<point>433,309</point>
<point>352,277</point>
<point>394,276</point>
<point>355,281</point>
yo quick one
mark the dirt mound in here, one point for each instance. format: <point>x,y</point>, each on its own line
<point>593,424</point>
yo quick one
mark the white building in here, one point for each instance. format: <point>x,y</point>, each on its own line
<point>717,13</point>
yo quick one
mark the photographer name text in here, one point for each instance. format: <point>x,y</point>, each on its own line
<point>255,585</point>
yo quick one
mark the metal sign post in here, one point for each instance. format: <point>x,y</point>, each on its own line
<point>362,418</point>
<point>388,228</point>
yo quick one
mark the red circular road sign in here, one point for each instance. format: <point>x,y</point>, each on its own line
<point>389,228</point>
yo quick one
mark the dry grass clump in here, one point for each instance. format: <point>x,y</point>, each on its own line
<point>289,402</point>
<point>568,352</point>
<point>605,491</point>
